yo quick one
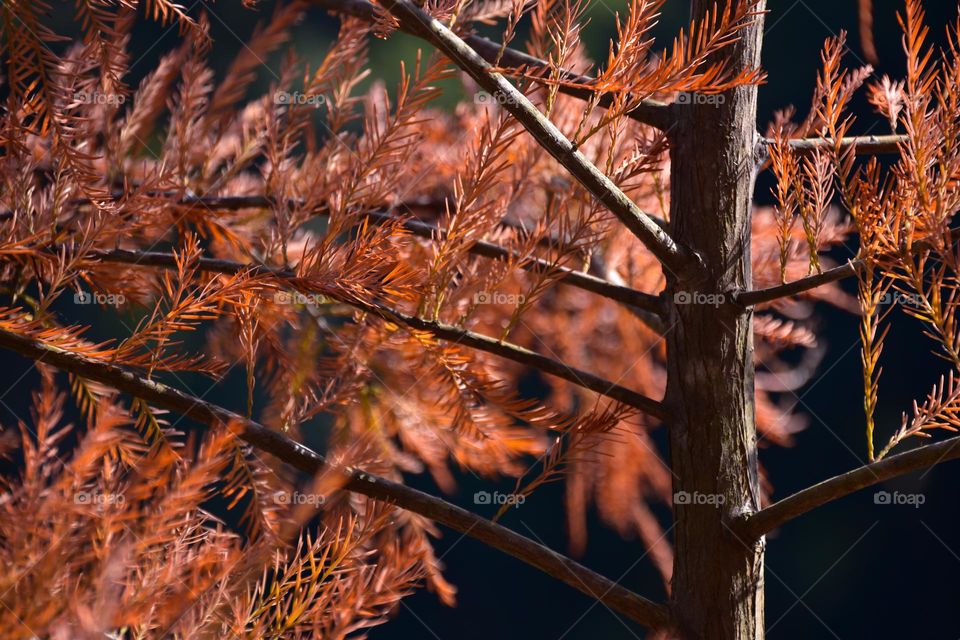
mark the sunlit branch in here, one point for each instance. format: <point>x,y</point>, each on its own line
<point>682,262</point>
<point>571,277</point>
<point>293,453</point>
<point>779,513</point>
<point>440,330</point>
<point>526,357</point>
<point>865,145</point>
<point>653,112</point>
<point>760,296</point>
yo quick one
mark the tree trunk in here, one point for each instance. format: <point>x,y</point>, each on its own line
<point>717,589</point>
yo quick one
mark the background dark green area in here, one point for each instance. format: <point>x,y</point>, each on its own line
<point>850,570</point>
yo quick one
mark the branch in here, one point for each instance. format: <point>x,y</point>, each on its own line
<point>443,331</point>
<point>526,357</point>
<point>654,320</point>
<point>438,206</point>
<point>768,519</point>
<point>293,453</point>
<point>866,145</point>
<point>652,112</point>
<point>572,277</point>
<point>682,262</point>
<point>759,296</point>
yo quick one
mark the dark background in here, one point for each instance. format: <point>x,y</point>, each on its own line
<point>853,569</point>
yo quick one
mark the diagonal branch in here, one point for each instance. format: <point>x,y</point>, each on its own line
<point>760,296</point>
<point>526,357</point>
<point>293,453</point>
<point>443,331</point>
<point>572,277</point>
<point>652,112</point>
<point>757,524</point>
<point>680,261</point>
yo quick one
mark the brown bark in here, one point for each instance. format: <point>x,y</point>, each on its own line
<point>717,578</point>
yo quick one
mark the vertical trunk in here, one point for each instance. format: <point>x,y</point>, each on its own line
<point>717,579</point>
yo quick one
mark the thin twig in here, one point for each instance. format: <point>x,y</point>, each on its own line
<point>865,145</point>
<point>443,331</point>
<point>652,112</point>
<point>757,524</point>
<point>293,453</point>
<point>680,261</point>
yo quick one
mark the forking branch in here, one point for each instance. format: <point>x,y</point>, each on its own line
<point>682,262</point>
<point>652,112</point>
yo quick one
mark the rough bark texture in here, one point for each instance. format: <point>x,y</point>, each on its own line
<point>717,578</point>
